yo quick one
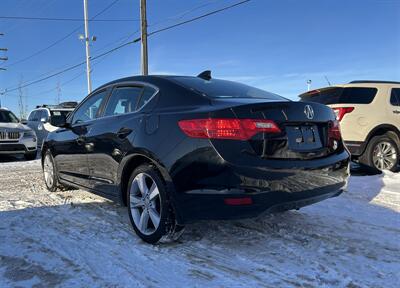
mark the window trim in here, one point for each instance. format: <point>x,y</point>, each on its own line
<point>109,88</point>
<point>129,84</point>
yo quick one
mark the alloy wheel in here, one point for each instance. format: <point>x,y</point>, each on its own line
<point>145,203</point>
<point>384,156</point>
<point>48,169</point>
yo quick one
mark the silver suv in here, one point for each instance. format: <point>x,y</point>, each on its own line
<point>16,138</point>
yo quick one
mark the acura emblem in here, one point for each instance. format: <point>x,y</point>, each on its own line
<point>309,111</point>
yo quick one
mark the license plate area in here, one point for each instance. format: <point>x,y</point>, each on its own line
<point>303,138</point>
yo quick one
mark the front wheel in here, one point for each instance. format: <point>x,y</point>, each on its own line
<point>49,172</point>
<point>382,153</point>
<point>149,209</point>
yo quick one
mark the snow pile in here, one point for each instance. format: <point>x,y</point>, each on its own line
<point>74,238</point>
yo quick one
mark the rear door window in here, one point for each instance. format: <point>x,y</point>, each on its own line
<point>147,93</point>
<point>339,95</point>
<point>395,97</point>
<point>123,100</point>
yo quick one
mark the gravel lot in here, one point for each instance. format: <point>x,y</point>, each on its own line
<point>77,239</point>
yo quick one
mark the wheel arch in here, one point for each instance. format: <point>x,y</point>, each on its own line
<point>130,163</point>
<point>43,150</point>
<point>385,129</point>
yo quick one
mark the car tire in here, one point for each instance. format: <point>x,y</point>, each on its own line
<point>382,153</point>
<point>149,207</point>
<point>29,156</point>
<point>50,172</point>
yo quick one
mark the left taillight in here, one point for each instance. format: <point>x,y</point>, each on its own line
<point>334,134</point>
<point>341,111</point>
<point>226,128</point>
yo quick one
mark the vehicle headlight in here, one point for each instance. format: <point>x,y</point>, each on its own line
<point>29,133</point>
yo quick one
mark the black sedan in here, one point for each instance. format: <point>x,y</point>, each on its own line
<point>177,149</point>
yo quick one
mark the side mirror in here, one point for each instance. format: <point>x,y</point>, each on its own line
<point>24,121</point>
<point>59,121</point>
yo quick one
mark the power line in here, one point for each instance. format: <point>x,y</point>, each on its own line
<point>183,14</point>
<point>65,19</point>
<point>61,39</point>
<point>124,45</point>
<point>198,17</point>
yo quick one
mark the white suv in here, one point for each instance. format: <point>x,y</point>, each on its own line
<point>369,115</point>
<point>41,119</point>
<point>16,138</point>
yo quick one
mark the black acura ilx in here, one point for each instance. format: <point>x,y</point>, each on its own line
<point>177,149</point>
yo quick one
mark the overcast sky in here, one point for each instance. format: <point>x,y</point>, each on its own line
<point>274,45</point>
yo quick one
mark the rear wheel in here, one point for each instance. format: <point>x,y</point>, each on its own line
<point>382,153</point>
<point>149,210</point>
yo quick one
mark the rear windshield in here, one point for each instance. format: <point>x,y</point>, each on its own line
<point>339,95</point>
<point>216,88</point>
<point>7,117</point>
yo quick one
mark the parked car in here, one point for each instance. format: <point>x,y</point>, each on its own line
<point>16,138</point>
<point>40,119</point>
<point>178,149</point>
<point>369,115</point>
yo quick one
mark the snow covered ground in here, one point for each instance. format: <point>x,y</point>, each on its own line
<point>76,239</point>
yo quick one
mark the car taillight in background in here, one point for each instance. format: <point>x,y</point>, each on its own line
<point>341,111</point>
<point>234,129</point>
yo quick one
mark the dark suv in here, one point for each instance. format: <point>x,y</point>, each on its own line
<point>177,149</point>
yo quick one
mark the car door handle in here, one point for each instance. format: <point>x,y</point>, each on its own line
<point>124,132</point>
<point>396,111</point>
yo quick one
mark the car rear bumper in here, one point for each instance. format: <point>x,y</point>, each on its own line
<point>213,206</point>
<point>269,188</point>
<point>356,148</point>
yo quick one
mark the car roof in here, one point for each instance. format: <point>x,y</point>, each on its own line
<point>359,84</point>
<point>152,79</point>
<point>373,82</point>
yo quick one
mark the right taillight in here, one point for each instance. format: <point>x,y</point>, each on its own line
<point>226,128</point>
<point>341,111</point>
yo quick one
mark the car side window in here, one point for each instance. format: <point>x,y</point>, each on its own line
<point>395,97</point>
<point>89,109</point>
<point>147,93</point>
<point>33,116</point>
<point>123,100</point>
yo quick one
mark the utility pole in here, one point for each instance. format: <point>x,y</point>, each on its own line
<point>21,104</point>
<point>143,25</point>
<point>87,40</point>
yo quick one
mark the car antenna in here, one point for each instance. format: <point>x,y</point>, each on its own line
<point>206,75</point>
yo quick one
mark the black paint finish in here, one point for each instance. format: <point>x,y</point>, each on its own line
<point>97,155</point>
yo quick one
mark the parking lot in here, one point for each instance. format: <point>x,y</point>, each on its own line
<point>71,238</point>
